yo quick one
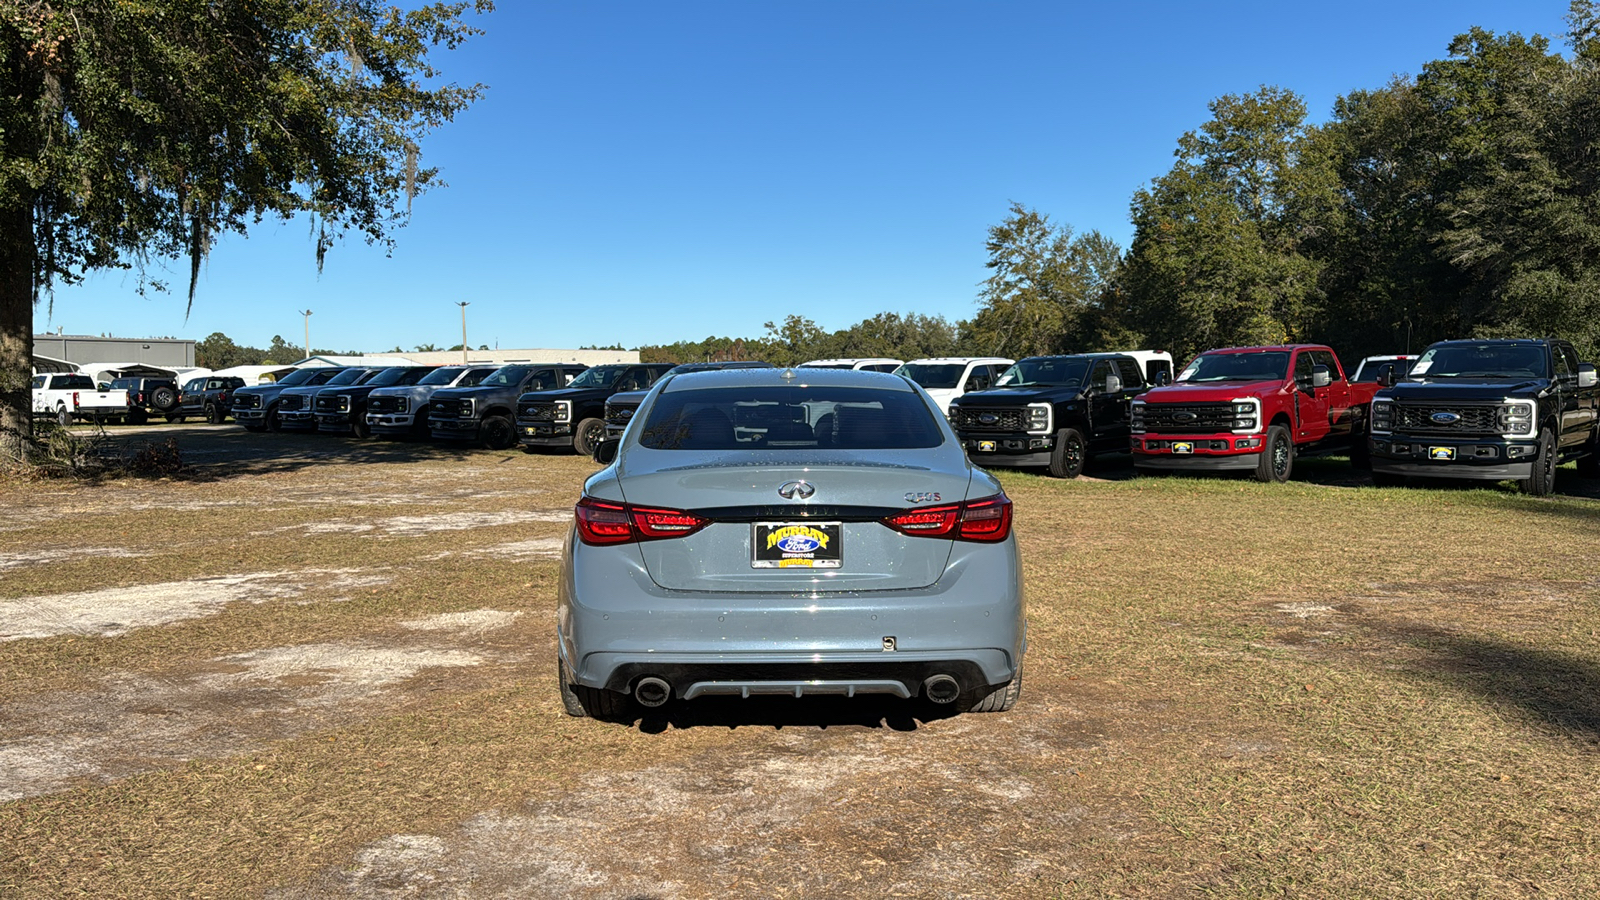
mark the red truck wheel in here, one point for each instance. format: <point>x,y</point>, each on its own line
<point>1277,456</point>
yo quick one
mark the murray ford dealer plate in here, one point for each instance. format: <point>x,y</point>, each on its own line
<point>1182,447</point>
<point>808,545</point>
<point>1442,453</point>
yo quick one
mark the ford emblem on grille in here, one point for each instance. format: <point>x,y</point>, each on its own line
<point>988,418</point>
<point>1184,417</point>
<point>1445,418</point>
<point>796,490</point>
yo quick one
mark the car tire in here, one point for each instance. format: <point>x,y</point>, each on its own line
<point>497,433</point>
<point>360,428</point>
<point>1002,698</point>
<point>580,701</point>
<point>163,398</point>
<point>1277,456</point>
<point>63,416</point>
<point>587,436</point>
<point>1388,480</point>
<point>1070,454</point>
<point>1543,479</point>
<point>214,414</point>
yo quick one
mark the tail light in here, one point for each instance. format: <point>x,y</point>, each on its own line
<point>602,522</point>
<point>987,520</point>
<point>74,399</point>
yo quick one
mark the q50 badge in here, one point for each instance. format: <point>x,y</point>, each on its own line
<point>923,497</point>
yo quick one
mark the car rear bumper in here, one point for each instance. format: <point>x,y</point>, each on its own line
<point>615,625</point>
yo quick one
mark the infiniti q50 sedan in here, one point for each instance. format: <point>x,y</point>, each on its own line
<point>791,532</point>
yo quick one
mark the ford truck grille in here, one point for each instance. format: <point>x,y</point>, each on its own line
<point>292,402</point>
<point>543,412</point>
<point>383,404</point>
<point>445,409</point>
<point>620,414</point>
<point>246,401</point>
<point>1188,418</point>
<point>966,418</point>
<point>1432,419</point>
<point>327,404</point>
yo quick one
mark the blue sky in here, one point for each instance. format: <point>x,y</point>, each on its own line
<point>645,172</point>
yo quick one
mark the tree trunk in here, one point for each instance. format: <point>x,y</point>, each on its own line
<point>16,332</point>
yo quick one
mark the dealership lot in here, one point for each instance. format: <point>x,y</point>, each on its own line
<point>325,667</point>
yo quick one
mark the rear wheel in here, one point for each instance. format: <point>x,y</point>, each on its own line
<point>63,415</point>
<point>1543,479</point>
<point>1277,456</point>
<point>497,433</point>
<point>588,435</point>
<point>214,414</point>
<point>580,701</point>
<point>1070,454</point>
<point>1002,698</point>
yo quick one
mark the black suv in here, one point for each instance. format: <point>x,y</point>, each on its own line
<point>483,413</point>
<point>1488,409</point>
<point>621,407</point>
<point>575,415</point>
<point>148,397</point>
<point>211,397</point>
<point>1051,411</point>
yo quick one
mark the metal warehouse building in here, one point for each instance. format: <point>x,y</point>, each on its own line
<point>86,349</point>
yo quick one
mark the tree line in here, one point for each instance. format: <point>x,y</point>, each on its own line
<point>1460,202</point>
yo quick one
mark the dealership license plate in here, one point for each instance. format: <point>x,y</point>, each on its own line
<point>1182,447</point>
<point>1442,453</point>
<point>986,446</point>
<point>805,545</point>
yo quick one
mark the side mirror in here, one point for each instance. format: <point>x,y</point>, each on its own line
<point>1586,375</point>
<point>1321,377</point>
<point>1163,378</point>
<point>1386,376</point>
<point>1113,384</point>
<point>605,452</point>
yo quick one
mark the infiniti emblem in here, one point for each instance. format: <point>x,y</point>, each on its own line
<point>796,490</point>
<point>1446,418</point>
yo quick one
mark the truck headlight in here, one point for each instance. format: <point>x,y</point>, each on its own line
<point>1039,418</point>
<point>1136,416</point>
<point>402,404</point>
<point>344,402</point>
<point>467,408</point>
<point>1516,418</point>
<point>1382,416</point>
<point>563,410</point>
<point>1246,415</point>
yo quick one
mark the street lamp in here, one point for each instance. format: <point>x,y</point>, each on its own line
<point>307,314</point>
<point>463,304</point>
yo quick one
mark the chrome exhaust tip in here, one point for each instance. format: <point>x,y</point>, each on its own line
<point>652,691</point>
<point>941,689</point>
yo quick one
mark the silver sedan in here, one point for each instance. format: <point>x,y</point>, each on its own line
<point>792,532</point>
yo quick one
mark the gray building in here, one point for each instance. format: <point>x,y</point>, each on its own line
<point>87,349</point>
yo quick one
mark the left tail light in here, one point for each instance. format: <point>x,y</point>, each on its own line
<point>987,520</point>
<point>602,522</point>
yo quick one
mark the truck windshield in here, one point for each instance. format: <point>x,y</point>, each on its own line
<point>440,376</point>
<point>1263,365</point>
<point>398,375</point>
<point>505,376</point>
<point>1045,371</point>
<point>298,376</point>
<point>1482,361</point>
<point>933,375</point>
<point>598,377</point>
<point>348,376</point>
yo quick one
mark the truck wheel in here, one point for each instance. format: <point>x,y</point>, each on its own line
<point>63,416</point>
<point>497,433</point>
<point>360,428</point>
<point>1543,479</point>
<point>1277,456</point>
<point>163,398</point>
<point>587,436</point>
<point>273,422</point>
<point>1070,454</point>
<point>214,414</point>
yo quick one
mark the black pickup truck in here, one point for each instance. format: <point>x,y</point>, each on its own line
<point>343,409</point>
<point>483,413</point>
<point>1492,410</point>
<point>211,396</point>
<point>256,407</point>
<point>574,416</point>
<point>1051,411</point>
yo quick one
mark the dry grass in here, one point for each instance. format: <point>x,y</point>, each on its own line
<point>1318,689</point>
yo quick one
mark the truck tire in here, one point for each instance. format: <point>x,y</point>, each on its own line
<point>1543,479</point>
<point>273,422</point>
<point>214,414</point>
<point>164,398</point>
<point>63,415</point>
<point>360,428</point>
<point>1002,698</point>
<point>1070,454</point>
<point>137,417</point>
<point>587,436</point>
<point>497,433</point>
<point>1277,456</point>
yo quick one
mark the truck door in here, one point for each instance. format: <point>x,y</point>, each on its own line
<point>1108,412</point>
<point>1310,402</point>
<point>1576,417</point>
<point>1341,418</point>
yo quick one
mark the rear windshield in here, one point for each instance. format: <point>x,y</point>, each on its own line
<point>1371,369</point>
<point>933,375</point>
<point>790,417</point>
<point>74,382</point>
<point>125,384</point>
<point>1265,365</point>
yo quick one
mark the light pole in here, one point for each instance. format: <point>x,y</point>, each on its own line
<point>307,314</point>
<point>463,304</point>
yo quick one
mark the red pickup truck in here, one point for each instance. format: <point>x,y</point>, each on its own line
<point>1252,408</point>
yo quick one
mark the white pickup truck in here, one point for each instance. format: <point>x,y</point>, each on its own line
<point>72,396</point>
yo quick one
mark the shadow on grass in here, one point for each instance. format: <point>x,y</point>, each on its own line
<point>1558,689</point>
<point>788,712</point>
